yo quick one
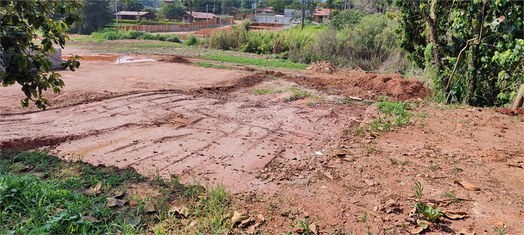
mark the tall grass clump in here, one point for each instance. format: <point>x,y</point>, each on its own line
<point>191,40</point>
<point>355,39</point>
<point>240,38</point>
<point>370,44</point>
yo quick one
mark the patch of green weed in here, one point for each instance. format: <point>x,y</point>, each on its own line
<point>392,114</point>
<point>209,65</point>
<point>256,61</point>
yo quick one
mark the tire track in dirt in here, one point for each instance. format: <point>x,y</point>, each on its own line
<point>214,134</point>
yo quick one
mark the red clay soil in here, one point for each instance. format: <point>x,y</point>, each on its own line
<point>510,112</point>
<point>368,86</point>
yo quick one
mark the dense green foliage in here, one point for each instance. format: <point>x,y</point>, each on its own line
<point>475,48</point>
<point>226,5</point>
<point>26,61</point>
<point>173,10</point>
<point>132,5</point>
<point>113,34</point>
<point>347,19</point>
<point>95,15</point>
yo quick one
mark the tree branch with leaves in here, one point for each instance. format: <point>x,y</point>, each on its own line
<point>23,59</point>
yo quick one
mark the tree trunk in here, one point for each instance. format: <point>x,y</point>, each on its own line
<point>472,83</point>
<point>518,100</point>
<point>303,14</point>
<point>433,39</point>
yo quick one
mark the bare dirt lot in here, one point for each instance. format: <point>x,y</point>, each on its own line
<point>287,158</point>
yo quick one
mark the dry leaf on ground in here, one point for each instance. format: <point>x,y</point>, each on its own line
<point>417,230</point>
<point>118,194</point>
<point>466,231</point>
<point>242,218</point>
<point>90,218</point>
<point>179,212</point>
<point>314,228</point>
<point>467,185</point>
<point>149,207</point>
<point>455,214</point>
<point>112,202</point>
<point>94,190</point>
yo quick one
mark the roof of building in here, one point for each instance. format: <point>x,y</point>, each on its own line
<point>200,15</point>
<point>323,12</point>
<point>132,13</point>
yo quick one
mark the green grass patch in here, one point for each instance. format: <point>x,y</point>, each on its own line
<point>267,91</point>
<point>39,194</point>
<point>297,94</point>
<point>42,194</point>
<point>391,114</point>
<point>256,61</point>
<point>113,34</point>
<point>209,65</point>
<point>146,45</point>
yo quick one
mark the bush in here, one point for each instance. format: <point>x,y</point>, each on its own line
<point>369,45</point>
<point>260,42</point>
<point>191,40</point>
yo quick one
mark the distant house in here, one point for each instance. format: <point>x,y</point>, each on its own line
<point>197,16</point>
<point>322,16</point>
<point>134,15</point>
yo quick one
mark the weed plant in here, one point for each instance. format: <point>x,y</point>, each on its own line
<point>255,61</point>
<point>392,114</point>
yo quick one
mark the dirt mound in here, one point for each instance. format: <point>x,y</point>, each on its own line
<point>393,85</point>
<point>368,86</point>
<point>222,89</point>
<point>322,67</point>
<point>510,112</point>
<point>176,59</point>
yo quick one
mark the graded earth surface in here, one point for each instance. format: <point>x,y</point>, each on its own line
<point>285,156</point>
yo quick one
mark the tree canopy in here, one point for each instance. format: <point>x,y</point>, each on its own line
<point>172,10</point>
<point>26,61</point>
<point>95,15</point>
<point>474,48</point>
